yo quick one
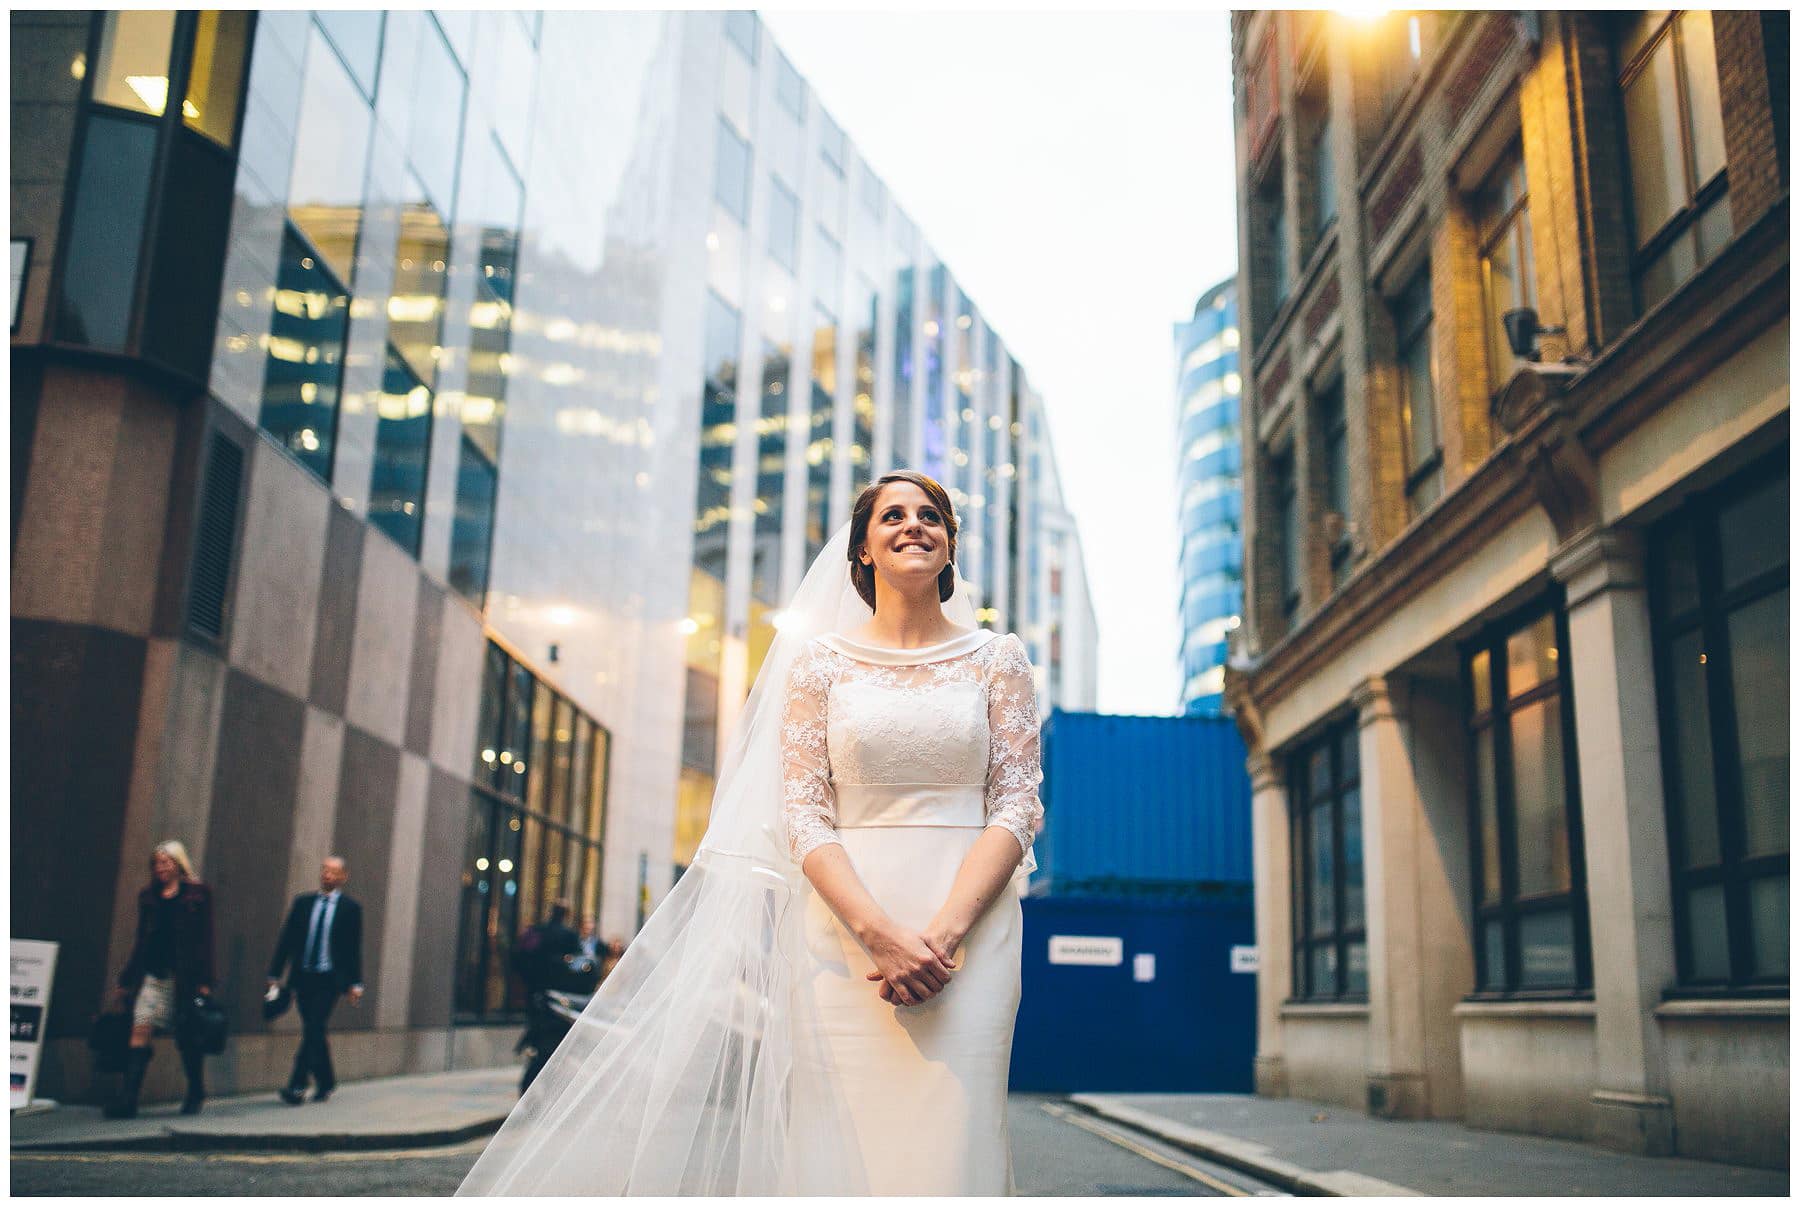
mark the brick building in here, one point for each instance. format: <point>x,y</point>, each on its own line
<point>1513,667</point>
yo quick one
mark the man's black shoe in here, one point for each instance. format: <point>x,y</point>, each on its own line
<point>292,1096</point>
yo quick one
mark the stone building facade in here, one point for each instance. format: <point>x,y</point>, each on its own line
<point>1513,668</point>
<point>365,437</point>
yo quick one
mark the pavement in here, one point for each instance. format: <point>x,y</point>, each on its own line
<point>1309,1148</point>
<point>1297,1146</point>
<point>416,1111</point>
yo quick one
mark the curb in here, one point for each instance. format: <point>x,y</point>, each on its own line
<point>1245,1156</point>
<point>172,1141</point>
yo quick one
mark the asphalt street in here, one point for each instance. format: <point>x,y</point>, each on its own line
<point>1057,1150</point>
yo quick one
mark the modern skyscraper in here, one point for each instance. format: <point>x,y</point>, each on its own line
<point>419,419</point>
<point>1209,485</point>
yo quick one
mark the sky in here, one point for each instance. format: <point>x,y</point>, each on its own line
<point>1075,172</point>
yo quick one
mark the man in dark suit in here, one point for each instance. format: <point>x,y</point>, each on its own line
<point>321,946</point>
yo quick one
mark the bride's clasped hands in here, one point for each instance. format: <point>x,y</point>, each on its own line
<point>912,966</point>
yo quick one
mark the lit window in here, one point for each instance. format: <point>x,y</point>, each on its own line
<point>1418,393</point>
<point>1507,275</point>
<point>132,69</point>
<point>1675,135</point>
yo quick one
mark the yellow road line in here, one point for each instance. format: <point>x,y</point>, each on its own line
<point>1149,1154</point>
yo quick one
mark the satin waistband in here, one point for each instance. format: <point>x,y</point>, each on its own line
<point>867,805</point>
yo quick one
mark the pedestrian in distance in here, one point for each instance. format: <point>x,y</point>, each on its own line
<point>321,949</point>
<point>543,957</point>
<point>171,962</point>
<point>591,946</point>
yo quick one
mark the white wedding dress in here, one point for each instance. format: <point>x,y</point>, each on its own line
<point>904,757</point>
<point>737,1049</point>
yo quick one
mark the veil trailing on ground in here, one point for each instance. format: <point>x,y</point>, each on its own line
<point>698,1068</point>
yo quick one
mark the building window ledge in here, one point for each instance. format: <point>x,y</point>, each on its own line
<point>1324,1010</point>
<point>1726,1007</point>
<point>1567,1007</point>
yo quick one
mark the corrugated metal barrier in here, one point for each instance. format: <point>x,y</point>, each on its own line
<point>1154,806</point>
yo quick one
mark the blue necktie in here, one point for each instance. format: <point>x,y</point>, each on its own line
<point>312,939</point>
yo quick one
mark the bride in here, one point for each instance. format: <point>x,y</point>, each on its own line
<point>824,1003</point>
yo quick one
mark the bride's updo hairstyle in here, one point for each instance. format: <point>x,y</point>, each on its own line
<point>863,577</point>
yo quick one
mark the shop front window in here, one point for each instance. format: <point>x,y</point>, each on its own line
<point>1530,893</point>
<point>534,829</point>
<point>1331,951</point>
<point>1719,575</point>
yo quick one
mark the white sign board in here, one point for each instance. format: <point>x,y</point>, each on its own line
<point>33,967</point>
<point>1244,959</point>
<point>1099,951</point>
<point>1143,966</point>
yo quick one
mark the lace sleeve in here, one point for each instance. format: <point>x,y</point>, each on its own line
<point>1014,766</point>
<point>807,805</point>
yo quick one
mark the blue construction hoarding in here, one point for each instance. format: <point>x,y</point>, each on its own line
<point>1139,802</point>
<point>1139,960</point>
<point>1136,995</point>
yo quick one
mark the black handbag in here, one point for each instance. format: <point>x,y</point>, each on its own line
<point>110,1039</point>
<point>201,1025</point>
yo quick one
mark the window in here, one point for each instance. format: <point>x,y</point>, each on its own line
<point>1675,137</point>
<point>784,225</point>
<point>434,136</point>
<point>1271,252</point>
<point>828,267</point>
<point>331,161</point>
<point>356,36</point>
<point>216,74</point>
<point>731,186</point>
<point>831,144</point>
<point>790,89</point>
<point>1418,393</point>
<point>1334,440</point>
<point>131,70</point>
<point>819,443</point>
<point>493,205</point>
<point>741,27</point>
<point>771,475</point>
<point>1719,575</point>
<point>106,231</point>
<point>305,365</point>
<point>902,453</point>
<point>1331,951</point>
<point>472,528</point>
<point>1403,39</point>
<point>1315,106</point>
<point>1288,533</point>
<point>536,822</point>
<point>402,447</point>
<point>873,196</point>
<point>1531,930</point>
<point>862,425</point>
<point>1503,221</point>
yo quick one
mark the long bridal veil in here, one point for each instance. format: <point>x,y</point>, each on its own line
<point>698,1069</point>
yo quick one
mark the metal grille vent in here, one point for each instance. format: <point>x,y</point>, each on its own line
<point>214,540</point>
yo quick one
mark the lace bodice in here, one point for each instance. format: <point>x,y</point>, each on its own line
<point>945,735</point>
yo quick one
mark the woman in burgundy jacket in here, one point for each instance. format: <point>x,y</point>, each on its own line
<point>171,962</point>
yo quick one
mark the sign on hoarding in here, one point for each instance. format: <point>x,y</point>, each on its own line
<point>1143,966</point>
<point>1087,949</point>
<point>33,967</point>
<point>1244,959</point>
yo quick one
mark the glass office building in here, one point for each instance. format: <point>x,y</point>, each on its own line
<point>1209,483</point>
<point>420,419</point>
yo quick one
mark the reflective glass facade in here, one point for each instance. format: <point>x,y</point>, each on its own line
<point>1209,485</point>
